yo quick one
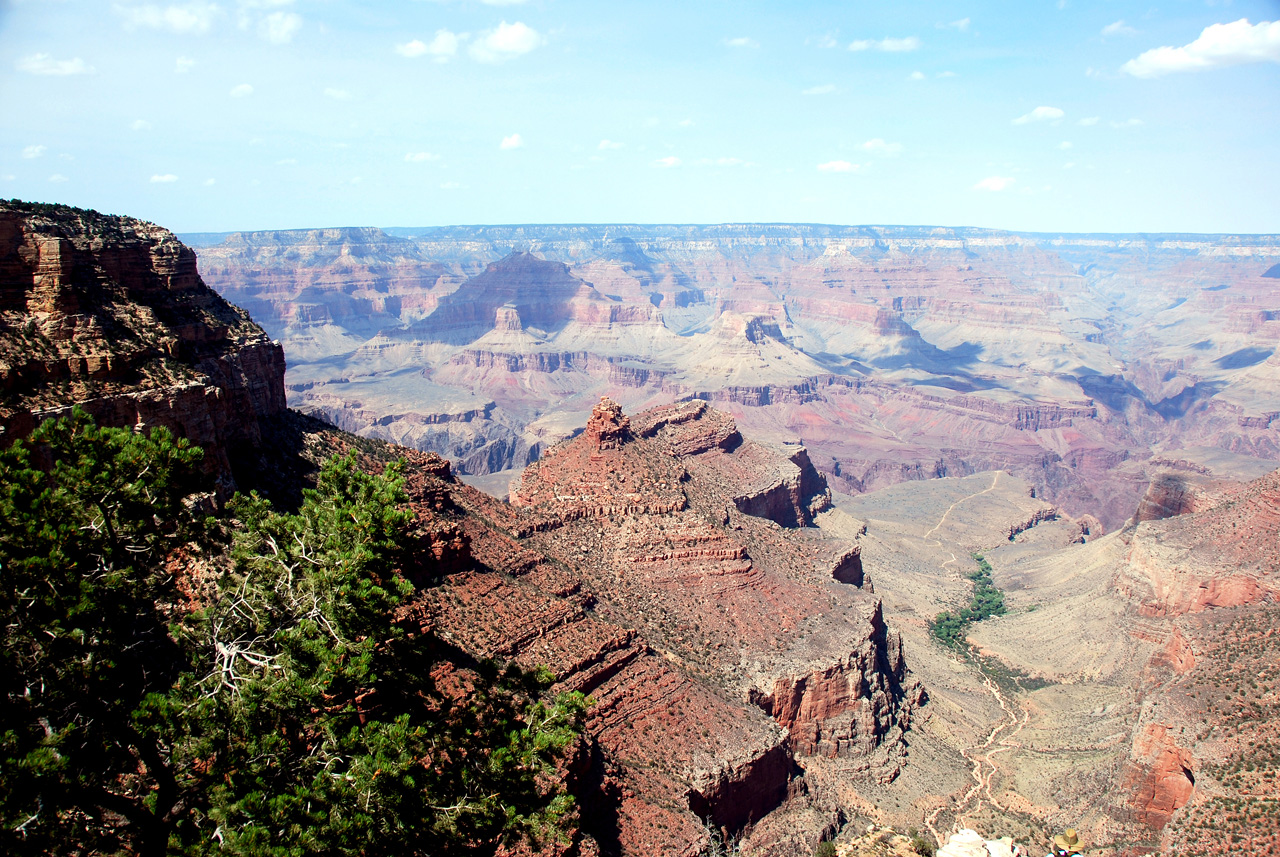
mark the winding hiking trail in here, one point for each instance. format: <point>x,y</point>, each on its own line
<point>979,757</point>
<point>995,480</point>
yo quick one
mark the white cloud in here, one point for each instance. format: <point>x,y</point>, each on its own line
<point>685,123</point>
<point>824,89</point>
<point>962,25</point>
<point>502,2</point>
<point>241,91</point>
<point>1064,145</point>
<point>515,141</point>
<point>946,74</point>
<point>285,162</point>
<point>742,42</point>
<point>45,64</point>
<point>826,41</point>
<point>210,182</point>
<point>34,151</point>
<point>877,146</point>
<point>1088,120</point>
<point>725,162</point>
<point>506,42</point>
<point>188,18</point>
<point>609,144</point>
<point>1068,165</point>
<point>336,94</point>
<point>8,177</point>
<point>916,75</point>
<point>1119,28</point>
<point>279,28</point>
<point>443,46</point>
<point>58,178</point>
<point>669,161</point>
<point>419,157</point>
<point>183,65</point>
<point>889,45</point>
<point>1218,45</point>
<point>140,125</point>
<point>994,183</point>
<point>837,167</point>
<point>451,186</point>
<point>1040,114</point>
<point>166,178</point>
<point>411,49</point>
<point>1128,123</point>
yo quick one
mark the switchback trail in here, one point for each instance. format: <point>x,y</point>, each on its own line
<point>983,770</point>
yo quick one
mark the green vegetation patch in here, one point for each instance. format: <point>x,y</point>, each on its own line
<point>949,628</point>
<point>175,683</point>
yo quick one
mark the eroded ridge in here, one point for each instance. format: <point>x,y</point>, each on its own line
<point>724,651</point>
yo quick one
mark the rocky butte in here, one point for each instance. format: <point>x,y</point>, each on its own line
<point>740,663</point>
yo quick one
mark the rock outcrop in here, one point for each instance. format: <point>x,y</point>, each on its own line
<point>1160,777</point>
<point>109,314</point>
<point>726,651</point>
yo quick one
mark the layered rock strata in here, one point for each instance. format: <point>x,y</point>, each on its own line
<point>723,654</point>
<point>110,314</point>
<point>891,353</point>
<point>645,510</point>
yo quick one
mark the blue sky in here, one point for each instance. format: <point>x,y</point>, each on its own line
<point>1049,115</point>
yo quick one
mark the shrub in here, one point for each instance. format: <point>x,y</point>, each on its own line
<point>922,846</point>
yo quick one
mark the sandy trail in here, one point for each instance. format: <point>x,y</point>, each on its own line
<point>994,481</point>
<point>1014,717</point>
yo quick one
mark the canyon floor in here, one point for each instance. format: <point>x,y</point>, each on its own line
<point>1111,697</point>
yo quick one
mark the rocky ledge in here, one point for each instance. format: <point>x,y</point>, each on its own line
<point>109,313</point>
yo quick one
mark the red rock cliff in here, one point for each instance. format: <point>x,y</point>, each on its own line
<point>109,313</point>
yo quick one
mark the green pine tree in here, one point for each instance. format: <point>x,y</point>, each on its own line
<point>291,714</point>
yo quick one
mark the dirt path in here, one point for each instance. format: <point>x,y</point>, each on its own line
<point>983,764</point>
<point>1014,718</point>
<point>994,481</point>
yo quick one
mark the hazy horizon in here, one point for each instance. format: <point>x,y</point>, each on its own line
<point>1049,117</point>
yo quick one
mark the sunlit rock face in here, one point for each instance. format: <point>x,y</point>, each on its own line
<point>725,651</point>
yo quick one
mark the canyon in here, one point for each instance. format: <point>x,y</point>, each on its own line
<point>1076,362</point>
<point>733,473</point>
<point>663,565</point>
